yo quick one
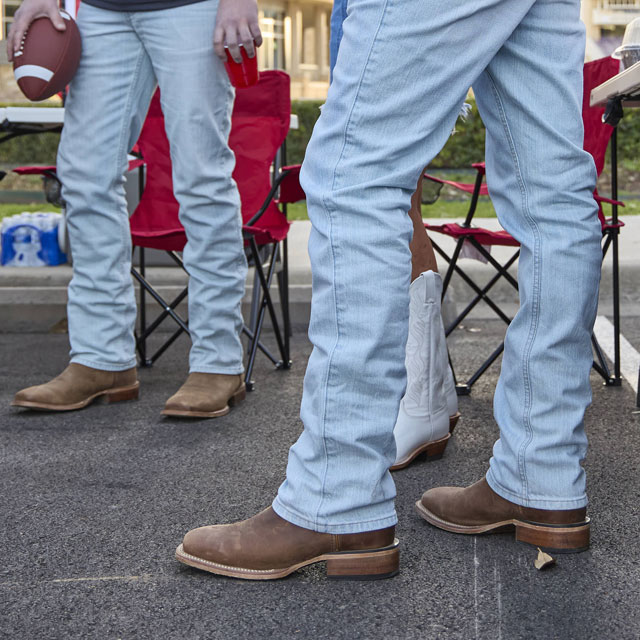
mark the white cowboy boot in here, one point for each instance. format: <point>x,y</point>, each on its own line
<point>429,409</point>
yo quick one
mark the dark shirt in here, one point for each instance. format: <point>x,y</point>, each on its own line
<point>138,5</point>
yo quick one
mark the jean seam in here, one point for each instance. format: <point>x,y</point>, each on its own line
<point>125,231</point>
<point>535,301</point>
<point>329,365</point>
<point>357,94</point>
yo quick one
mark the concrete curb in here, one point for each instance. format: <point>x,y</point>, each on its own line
<point>34,299</point>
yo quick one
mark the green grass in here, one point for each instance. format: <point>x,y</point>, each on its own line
<point>458,209</point>
<point>12,209</point>
<point>441,209</point>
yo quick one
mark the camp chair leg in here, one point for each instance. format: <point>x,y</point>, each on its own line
<point>453,261</point>
<point>495,264</point>
<point>141,342</point>
<point>617,379</point>
<point>283,286</point>
<point>255,306</point>
<point>487,363</point>
<point>160,319</point>
<point>481,293</point>
<point>247,332</point>
<point>178,332</point>
<point>154,294</point>
<point>480,296</point>
<point>600,362</point>
<point>266,304</point>
<point>168,311</point>
<point>265,283</point>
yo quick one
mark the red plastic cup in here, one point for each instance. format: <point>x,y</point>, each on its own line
<point>242,74</point>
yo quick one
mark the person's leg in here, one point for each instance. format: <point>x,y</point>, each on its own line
<point>419,427</point>
<point>423,257</point>
<point>108,100</point>
<point>543,194</point>
<point>197,100</point>
<point>104,112</point>
<point>358,192</point>
<point>338,16</point>
<point>541,182</point>
<point>366,152</point>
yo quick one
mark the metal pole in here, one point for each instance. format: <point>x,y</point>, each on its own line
<point>616,277</point>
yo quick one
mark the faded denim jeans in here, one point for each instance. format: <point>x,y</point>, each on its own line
<point>403,70</point>
<point>125,55</point>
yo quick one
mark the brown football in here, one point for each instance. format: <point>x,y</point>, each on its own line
<point>48,58</point>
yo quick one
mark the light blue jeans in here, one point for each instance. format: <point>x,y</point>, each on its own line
<point>125,55</point>
<point>402,74</point>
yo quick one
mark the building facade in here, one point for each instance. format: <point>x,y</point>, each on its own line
<point>296,39</point>
<point>605,21</point>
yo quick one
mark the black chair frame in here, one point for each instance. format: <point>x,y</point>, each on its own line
<point>264,259</point>
<point>610,240</point>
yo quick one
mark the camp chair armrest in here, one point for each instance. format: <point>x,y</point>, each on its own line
<point>270,196</point>
<point>36,171</point>
<point>601,199</point>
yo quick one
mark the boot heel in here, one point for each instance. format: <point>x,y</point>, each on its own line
<point>560,538</point>
<point>453,421</point>
<point>238,396</point>
<point>364,565</point>
<point>122,395</point>
<point>435,451</point>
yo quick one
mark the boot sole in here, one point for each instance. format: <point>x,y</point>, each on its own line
<point>559,538</point>
<point>434,449</point>
<point>236,398</point>
<point>371,564</point>
<point>117,394</point>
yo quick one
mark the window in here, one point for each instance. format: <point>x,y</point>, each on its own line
<point>7,11</point>
<point>271,53</point>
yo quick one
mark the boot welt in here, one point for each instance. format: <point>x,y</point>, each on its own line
<point>434,451</point>
<point>453,421</point>
<point>237,397</point>
<point>557,538</point>
<point>116,394</point>
<point>370,564</point>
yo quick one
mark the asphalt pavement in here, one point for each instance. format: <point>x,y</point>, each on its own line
<point>94,503</point>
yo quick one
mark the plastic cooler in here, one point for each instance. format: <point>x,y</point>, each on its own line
<point>32,241</point>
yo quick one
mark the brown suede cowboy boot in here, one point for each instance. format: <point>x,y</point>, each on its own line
<point>478,509</point>
<point>267,547</point>
<point>78,386</point>
<point>206,395</point>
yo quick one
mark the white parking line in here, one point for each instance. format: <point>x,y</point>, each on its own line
<point>629,357</point>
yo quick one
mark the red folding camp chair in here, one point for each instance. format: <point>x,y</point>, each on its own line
<point>260,123</point>
<point>597,137</point>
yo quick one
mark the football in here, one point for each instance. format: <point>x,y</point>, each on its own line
<point>48,58</point>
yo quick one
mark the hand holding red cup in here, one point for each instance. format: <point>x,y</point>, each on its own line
<point>242,74</point>
<point>235,38</point>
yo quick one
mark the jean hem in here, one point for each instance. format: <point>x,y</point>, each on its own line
<point>105,366</point>
<point>552,504</point>
<point>354,527</point>
<point>230,371</point>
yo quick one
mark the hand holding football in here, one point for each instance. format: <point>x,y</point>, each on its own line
<point>47,59</point>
